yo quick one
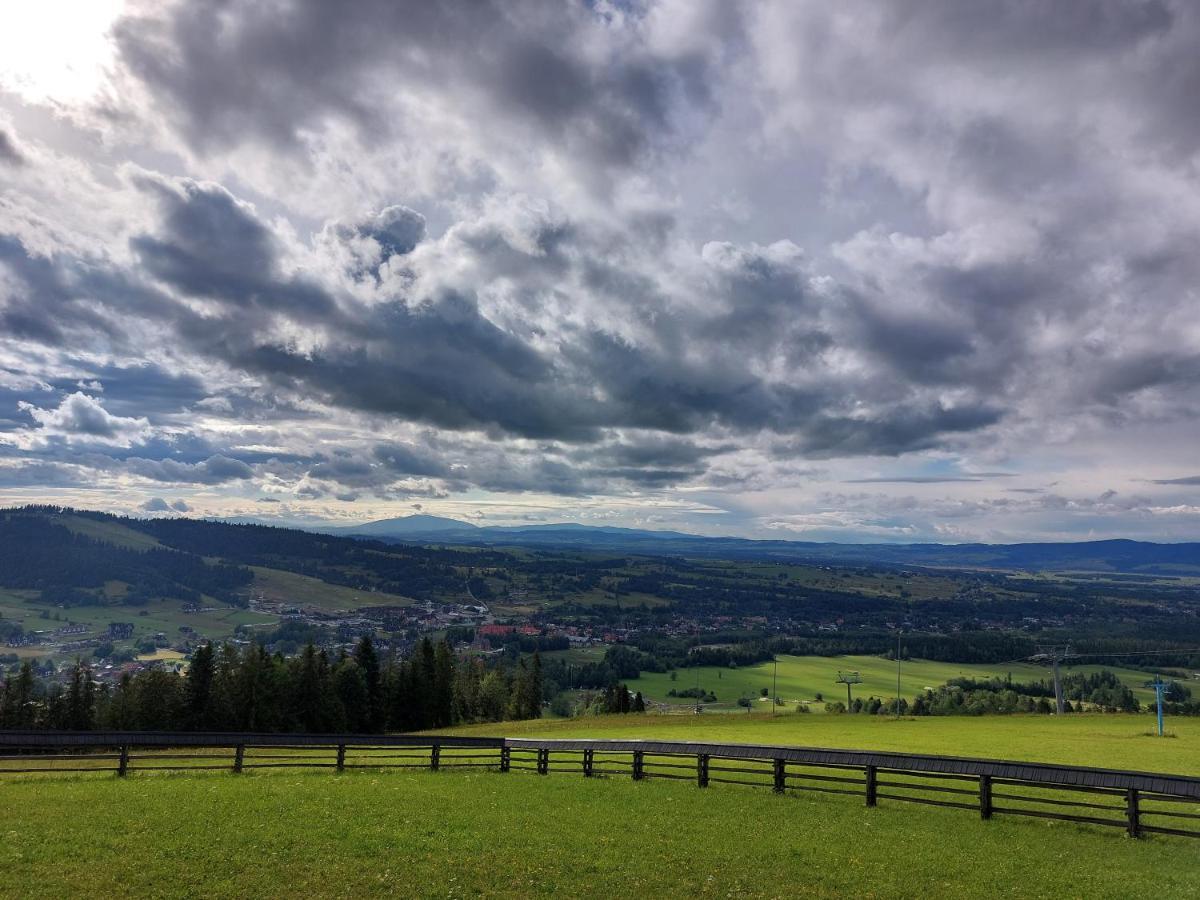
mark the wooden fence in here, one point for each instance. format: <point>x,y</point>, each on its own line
<point>1139,802</point>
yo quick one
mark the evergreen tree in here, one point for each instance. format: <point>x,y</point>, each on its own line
<point>423,677</point>
<point>80,700</point>
<point>120,712</point>
<point>350,685</point>
<point>533,709</point>
<point>198,689</point>
<point>443,686</point>
<point>368,664</point>
<point>158,701</point>
<point>17,703</point>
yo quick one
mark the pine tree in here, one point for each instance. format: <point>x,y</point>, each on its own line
<point>518,698</point>
<point>198,689</point>
<point>533,699</point>
<point>443,685</point>
<point>424,676</point>
<point>368,663</point>
<point>120,713</point>
<point>306,707</point>
<point>18,706</point>
<point>80,700</point>
<point>351,688</point>
<point>639,703</point>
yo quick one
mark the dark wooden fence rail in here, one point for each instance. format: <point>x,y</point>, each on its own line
<point>1139,802</point>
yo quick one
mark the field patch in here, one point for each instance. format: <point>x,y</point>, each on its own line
<point>455,834</point>
<point>303,590</point>
<point>1116,740</point>
<point>801,678</point>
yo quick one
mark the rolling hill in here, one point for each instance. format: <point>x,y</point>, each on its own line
<point>1120,556</point>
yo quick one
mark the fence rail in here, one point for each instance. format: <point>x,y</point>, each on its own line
<point>1139,802</point>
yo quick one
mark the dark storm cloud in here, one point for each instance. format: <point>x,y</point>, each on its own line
<point>994,198</point>
<point>210,245</point>
<point>404,459</point>
<point>37,473</point>
<point>242,69</point>
<point>75,303</point>
<point>145,389</point>
<point>438,359</point>
<point>214,470</point>
<point>891,433</point>
<point>659,452</point>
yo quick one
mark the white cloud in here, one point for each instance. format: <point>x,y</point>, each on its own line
<point>80,418</point>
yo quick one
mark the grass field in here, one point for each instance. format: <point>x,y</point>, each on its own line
<point>803,677</point>
<point>301,590</point>
<point>216,620</point>
<point>1085,739</point>
<point>452,834</point>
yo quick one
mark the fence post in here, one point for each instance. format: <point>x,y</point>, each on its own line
<point>505,759</point>
<point>1133,813</point>
<point>702,770</point>
<point>341,757</point>
<point>123,763</point>
<point>985,796</point>
<point>871,785</point>
<point>543,761</point>
<point>639,765</point>
<point>780,776</point>
<point>435,756</point>
<point>239,755</point>
<point>588,762</point>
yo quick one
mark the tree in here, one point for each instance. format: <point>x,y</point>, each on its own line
<point>534,698</point>
<point>120,712</point>
<point>197,694</point>
<point>17,703</point>
<point>80,701</point>
<point>350,685</point>
<point>368,663</point>
<point>443,686</point>
<point>639,703</point>
<point>157,701</point>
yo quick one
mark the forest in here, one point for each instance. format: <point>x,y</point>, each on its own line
<point>249,689</point>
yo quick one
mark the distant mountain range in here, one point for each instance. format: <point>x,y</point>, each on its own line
<point>1085,556</point>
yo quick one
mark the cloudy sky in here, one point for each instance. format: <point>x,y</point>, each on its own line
<point>832,271</point>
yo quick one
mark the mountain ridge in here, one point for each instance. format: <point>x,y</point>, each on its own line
<point>1111,555</point>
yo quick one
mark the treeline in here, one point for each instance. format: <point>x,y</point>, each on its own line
<point>658,653</point>
<point>227,689</point>
<point>996,696</point>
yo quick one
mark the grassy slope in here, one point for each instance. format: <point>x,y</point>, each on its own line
<point>108,532</point>
<point>802,677</point>
<point>1111,741</point>
<point>302,590</point>
<point>455,834</point>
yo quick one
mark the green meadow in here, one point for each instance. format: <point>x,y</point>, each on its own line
<point>802,678</point>
<point>453,834</point>
<point>1084,739</point>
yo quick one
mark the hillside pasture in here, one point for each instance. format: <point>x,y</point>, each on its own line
<point>370,833</point>
<point>305,591</point>
<point>1121,741</point>
<point>801,678</point>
